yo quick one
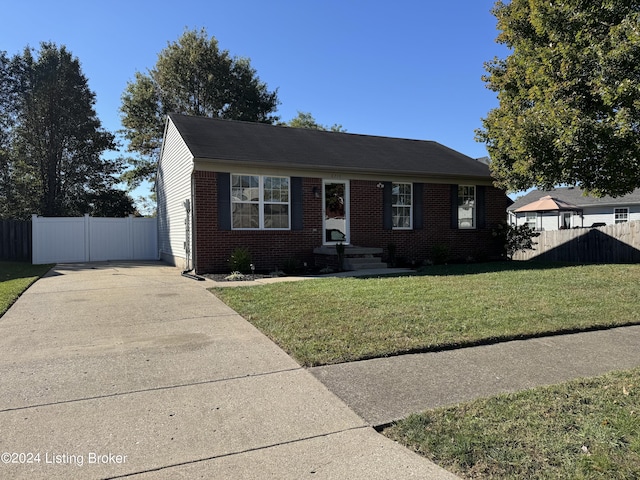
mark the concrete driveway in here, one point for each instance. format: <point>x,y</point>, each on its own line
<point>121,369</point>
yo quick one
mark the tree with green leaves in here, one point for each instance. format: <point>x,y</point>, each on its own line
<point>194,77</point>
<point>52,140</point>
<point>306,120</point>
<point>7,120</point>
<point>569,96</point>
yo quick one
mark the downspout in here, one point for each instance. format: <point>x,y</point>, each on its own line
<point>191,265</point>
<point>193,221</point>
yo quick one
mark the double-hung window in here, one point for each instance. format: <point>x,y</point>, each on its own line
<point>531,220</point>
<point>466,206</point>
<point>401,205</point>
<point>260,202</point>
<point>621,215</point>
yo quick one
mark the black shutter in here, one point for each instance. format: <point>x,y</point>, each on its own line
<point>481,207</point>
<point>224,201</point>
<point>387,209</point>
<point>418,206</point>
<point>297,222</point>
<point>454,207</point>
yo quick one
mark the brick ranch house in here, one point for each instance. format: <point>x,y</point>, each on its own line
<point>288,193</point>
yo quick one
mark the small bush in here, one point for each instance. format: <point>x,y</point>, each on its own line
<point>391,248</point>
<point>440,254</point>
<point>240,260</point>
<point>291,265</point>
<point>514,238</point>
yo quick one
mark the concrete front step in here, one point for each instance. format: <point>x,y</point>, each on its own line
<point>355,258</point>
<point>348,250</point>
<point>365,266</point>
<point>362,263</point>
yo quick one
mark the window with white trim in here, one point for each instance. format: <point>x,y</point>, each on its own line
<point>621,215</point>
<point>466,206</point>
<point>530,220</point>
<point>401,205</point>
<point>260,202</point>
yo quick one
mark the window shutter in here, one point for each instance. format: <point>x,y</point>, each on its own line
<point>387,209</point>
<point>418,202</point>
<point>481,208</point>
<point>224,201</point>
<point>454,207</point>
<point>297,222</point>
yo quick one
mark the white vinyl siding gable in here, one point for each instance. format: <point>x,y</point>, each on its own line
<point>174,187</point>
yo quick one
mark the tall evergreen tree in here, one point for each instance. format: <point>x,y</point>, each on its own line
<point>54,140</point>
<point>8,106</point>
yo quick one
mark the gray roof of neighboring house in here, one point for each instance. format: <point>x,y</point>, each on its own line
<point>576,197</point>
<point>279,146</point>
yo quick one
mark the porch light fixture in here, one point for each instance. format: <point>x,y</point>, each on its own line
<point>380,185</point>
<point>316,192</point>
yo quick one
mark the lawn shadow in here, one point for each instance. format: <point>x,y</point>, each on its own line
<point>475,268</point>
<point>490,267</point>
<point>13,270</point>
<point>490,340</point>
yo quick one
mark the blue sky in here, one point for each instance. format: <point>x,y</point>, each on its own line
<point>406,68</point>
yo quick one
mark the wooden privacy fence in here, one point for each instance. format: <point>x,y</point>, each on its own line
<point>609,244</point>
<point>15,240</point>
<point>93,239</point>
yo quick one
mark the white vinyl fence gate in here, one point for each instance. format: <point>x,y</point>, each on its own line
<point>93,239</point>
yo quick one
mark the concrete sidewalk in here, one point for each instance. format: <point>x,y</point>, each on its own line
<point>383,390</point>
<point>122,369</point>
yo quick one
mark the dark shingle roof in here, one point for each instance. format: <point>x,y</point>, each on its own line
<point>576,197</point>
<point>278,146</point>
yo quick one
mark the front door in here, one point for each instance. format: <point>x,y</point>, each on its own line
<point>335,198</point>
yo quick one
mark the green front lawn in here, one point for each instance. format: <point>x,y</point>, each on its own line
<point>15,278</point>
<point>582,429</point>
<point>345,319</point>
<point>585,429</point>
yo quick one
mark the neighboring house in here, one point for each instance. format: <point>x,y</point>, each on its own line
<point>289,193</point>
<point>588,212</point>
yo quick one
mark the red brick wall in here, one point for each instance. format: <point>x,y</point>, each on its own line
<point>271,249</point>
<point>416,246</point>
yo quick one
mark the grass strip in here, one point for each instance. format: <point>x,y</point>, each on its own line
<point>15,278</point>
<point>337,320</point>
<point>582,429</point>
